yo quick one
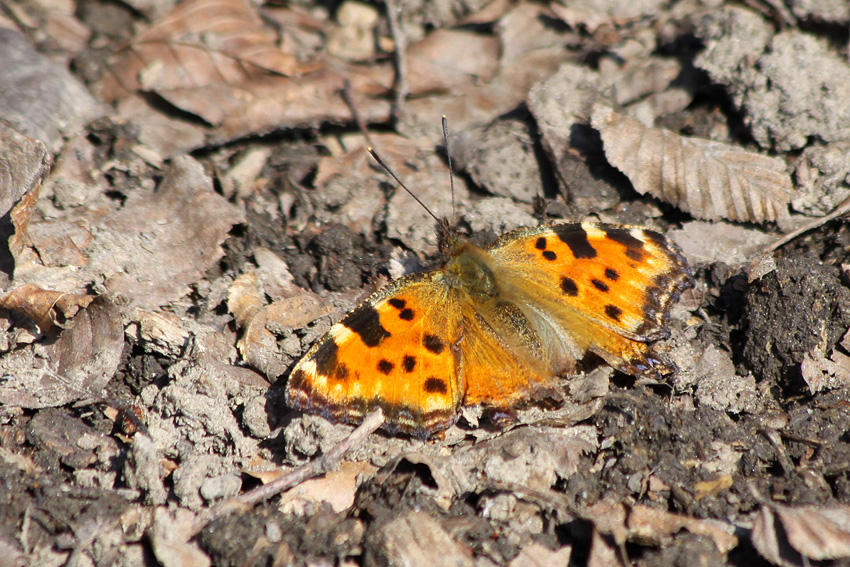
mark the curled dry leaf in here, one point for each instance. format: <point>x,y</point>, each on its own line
<point>47,308</point>
<point>77,365</point>
<point>261,324</point>
<point>802,534</point>
<point>707,179</point>
<point>24,165</point>
<point>201,42</point>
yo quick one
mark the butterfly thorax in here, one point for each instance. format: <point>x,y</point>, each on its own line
<point>468,271</point>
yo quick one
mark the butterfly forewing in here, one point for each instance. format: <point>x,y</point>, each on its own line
<point>608,287</point>
<point>394,351</point>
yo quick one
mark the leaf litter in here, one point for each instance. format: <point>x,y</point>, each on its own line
<point>137,276</point>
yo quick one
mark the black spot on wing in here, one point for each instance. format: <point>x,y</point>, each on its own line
<point>624,237</point>
<point>296,381</point>
<point>436,386</point>
<point>366,323</point>
<point>633,245</point>
<point>600,285</point>
<point>612,274</point>
<point>434,344</point>
<point>341,372</point>
<point>549,255</point>
<point>613,312</point>
<point>405,313</point>
<point>575,237</point>
<point>326,361</point>
<point>569,287</point>
<point>408,363</point>
<point>385,366</point>
<point>656,237</point>
<point>541,243</point>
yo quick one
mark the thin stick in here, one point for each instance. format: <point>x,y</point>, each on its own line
<point>842,209</point>
<point>401,87</point>
<point>397,180</point>
<point>451,172</point>
<point>348,98</point>
<point>312,469</point>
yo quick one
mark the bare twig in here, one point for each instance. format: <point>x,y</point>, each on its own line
<point>401,87</point>
<point>312,469</point>
<point>348,97</point>
<point>842,209</point>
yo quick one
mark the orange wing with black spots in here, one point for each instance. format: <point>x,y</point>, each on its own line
<point>394,351</point>
<point>599,287</point>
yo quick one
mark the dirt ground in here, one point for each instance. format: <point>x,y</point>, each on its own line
<point>187,206</point>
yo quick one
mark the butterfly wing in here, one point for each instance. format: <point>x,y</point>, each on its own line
<point>397,351</point>
<point>597,287</point>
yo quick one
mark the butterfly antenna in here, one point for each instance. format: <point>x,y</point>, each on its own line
<point>378,159</point>
<point>451,173</point>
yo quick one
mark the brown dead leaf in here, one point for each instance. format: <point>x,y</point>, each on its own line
<point>336,487</point>
<point>707,179</point>
<point>161,242</point>
<point>806,533</point>
<point>47,308</point>
<point>77,365</point>
<point>822,373</point>
<point>435,66</point>
<point>537,555</point>
<point>262,324</point>
<point>244,299</point>
<point>24,165</point>
<point>712,487</point>
<point>200,43</point>
<point>648,526</point>
<point>41,99</point>
<point>591,14</point>
<point>412,539</point>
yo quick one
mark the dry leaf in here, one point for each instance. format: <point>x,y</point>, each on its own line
<point>161,242</point>
<point>412,539</point>
<point>77,365</point>
<point>806,533</point>
<point>649,526</point>
<point>47,308</point>
<point>435,66</point>
<point>24,165</point>
<point>822,373</point>
<point>261,324</point>
<point>200,43</point>
<point>707,179</point>
<point>591,14</point>
<point>712,487</point>
<point>536,555</point>
<point>40,98</point>
<point>336,487</point>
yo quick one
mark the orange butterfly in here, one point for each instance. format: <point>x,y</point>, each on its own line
<point>493,323</point>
